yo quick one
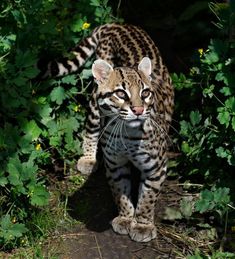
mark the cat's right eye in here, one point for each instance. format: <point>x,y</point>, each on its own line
<point>121,94</point>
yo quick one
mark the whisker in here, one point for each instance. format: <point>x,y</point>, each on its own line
<point>158,127</point>
<point>125,129</point>
<point>118,133</point>
<point>113,134</point>
<point>160,116</point>
<point>104,129</point>
<point>121,137</point>
<point>108,114</point>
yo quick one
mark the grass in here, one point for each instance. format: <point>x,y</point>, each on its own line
<point>47,224</point>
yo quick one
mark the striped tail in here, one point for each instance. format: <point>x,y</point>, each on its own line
<point>64,66</point>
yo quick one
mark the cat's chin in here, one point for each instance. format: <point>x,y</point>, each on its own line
<point>134,123</point>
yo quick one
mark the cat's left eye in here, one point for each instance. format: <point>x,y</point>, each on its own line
<point>145,93</point>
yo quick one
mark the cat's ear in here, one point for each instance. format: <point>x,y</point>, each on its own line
<point>101,70</point>
<point>145,66</point>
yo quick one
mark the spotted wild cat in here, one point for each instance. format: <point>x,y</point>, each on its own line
<point>130,112</point>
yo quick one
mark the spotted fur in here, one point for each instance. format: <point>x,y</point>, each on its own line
<point>130,113</point>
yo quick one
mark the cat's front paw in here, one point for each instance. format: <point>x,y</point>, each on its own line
<point>142,232</point>
<point>121,225</point>
<point>86,165</point>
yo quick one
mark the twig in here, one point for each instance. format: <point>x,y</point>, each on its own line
<point>70,235</point>
<point>98,247</point>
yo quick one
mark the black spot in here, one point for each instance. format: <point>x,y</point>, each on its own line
<point>154,166</point>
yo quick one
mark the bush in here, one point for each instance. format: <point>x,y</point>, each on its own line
<point>206,138</point>
<point>38,120</point>
<point>207,121</point>
<point>207,117</point>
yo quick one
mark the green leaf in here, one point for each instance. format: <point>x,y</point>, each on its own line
<point>221,152</point>
<point>221,196</point>
<point>9,230</point>
<point>26,59</point>
<point>95,3</point>
<point>77,25</point>
<point>29,170</point>
<point>230,104</point>
<point>18,229</point>
<point>211,58</point>
<point>58,95</point>
<point>233,123</point>
<point>52,127</point>
<point>223,116</point>
<point>70,79</point>
<point>195,117</point>
<point>220,76</point>
<point>39,195</point>
<point>209,91</point>
<point>71,124</point>
<point>3,181</point>
<point>205,202</point>
<point>207,195</point>
<point>44,110</point>
<point>202,205</point>
<point>30,72</point>
<point>86,73</point>
<point>5,221</point>
<point>31,128</point>
<point>14,169</point>
<point>185,147</point>
<point>184,128</point>
<point>25,143</point>
<point>226,91</point>
<point>19,80</point>
<point>55,141</point>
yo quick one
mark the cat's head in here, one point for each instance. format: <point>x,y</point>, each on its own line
<point>125,92</point>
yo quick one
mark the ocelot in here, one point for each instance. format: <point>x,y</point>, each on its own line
<point>130,114</point>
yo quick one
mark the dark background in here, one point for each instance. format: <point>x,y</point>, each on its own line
<point>178,28</point>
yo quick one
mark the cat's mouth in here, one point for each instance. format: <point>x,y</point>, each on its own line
<point>134,123</point>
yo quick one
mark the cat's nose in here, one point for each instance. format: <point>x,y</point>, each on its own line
<point>137,110</point>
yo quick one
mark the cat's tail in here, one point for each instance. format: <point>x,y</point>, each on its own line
<point>77,57</point>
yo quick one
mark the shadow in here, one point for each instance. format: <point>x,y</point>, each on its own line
<point>93,203</point>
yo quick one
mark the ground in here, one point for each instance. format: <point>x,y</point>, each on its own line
<point>93,206</point>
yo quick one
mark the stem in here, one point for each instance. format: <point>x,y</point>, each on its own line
<point>225,232</point>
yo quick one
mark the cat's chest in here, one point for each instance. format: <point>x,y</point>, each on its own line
<point>118,137</point>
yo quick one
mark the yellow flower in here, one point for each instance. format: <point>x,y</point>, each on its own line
<point>201,51</point>
<point>38,147</point>
<point>86,25</point>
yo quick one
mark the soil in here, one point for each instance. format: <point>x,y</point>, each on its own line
<point>93,238</point>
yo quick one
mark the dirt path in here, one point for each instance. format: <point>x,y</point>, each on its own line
<point>85,244</point>
<point>93,206</point>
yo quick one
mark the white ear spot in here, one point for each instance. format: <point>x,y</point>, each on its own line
<point>145,66</point>
<point>101,70</point>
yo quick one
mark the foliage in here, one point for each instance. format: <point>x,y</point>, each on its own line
<point>216,200</point>
<point>207,123</point>
<point>207,119</point>
<point>215,255</point>
<point>38,120</point>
